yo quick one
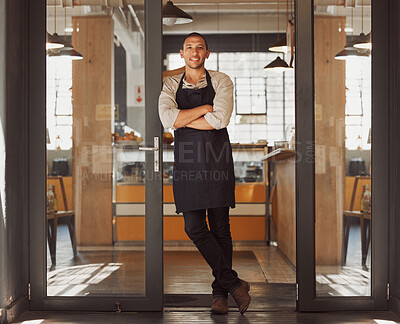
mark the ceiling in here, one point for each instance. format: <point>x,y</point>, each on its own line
<point>210,16</point>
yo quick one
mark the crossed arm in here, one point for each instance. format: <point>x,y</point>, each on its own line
<point>193,118</point>
<point>204,117</point>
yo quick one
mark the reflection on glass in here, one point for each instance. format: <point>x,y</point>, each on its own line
<point>95,197</point>
<point>342,156</point>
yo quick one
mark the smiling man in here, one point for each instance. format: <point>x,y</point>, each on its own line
<point>198,104</point>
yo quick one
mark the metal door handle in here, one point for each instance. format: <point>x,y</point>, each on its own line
<point>155,149</point>
<point>148,148</point>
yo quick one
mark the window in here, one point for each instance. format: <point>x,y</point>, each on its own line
<point>264,101</point>
<point>358,104</point>
<point>59,104</point>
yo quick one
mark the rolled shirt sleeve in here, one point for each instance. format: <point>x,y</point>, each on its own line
<point>167,105</point>
<point>223,102</point>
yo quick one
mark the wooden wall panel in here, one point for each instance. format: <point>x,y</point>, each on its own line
<point>329,139</point>
<point>92,93</point>
<point>285,208</point>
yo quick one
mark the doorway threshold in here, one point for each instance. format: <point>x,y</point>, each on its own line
<point>264,297</point>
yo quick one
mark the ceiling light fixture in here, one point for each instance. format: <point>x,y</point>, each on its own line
<point>67,53</point>
<point>172,15</point>
<point>351,54</point>
<point>277,65</point>
<point>54,41</point>
<point>349,51</point>
<point>363,41</point>
<point>280,45</point>
<point>68,50</point>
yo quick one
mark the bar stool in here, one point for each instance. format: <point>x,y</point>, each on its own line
<point>52,222</point>
<point>365,228</point>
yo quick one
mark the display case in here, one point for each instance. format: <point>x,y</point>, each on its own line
<point>129,176</point>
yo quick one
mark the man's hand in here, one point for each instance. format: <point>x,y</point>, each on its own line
<point>200,123</point>
<point>186,116</point>
<point>209,108</point>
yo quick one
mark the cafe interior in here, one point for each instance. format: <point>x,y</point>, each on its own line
<point>96,127</point>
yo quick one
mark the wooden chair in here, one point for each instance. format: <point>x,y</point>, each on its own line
<point>52,222</point>
<point>364,218</point>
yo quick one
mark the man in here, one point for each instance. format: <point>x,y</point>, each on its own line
<point>198,105</point>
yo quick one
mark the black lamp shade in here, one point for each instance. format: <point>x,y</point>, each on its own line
<point>277,65</point>
<point>279,46</point>
<point>363,41</point>
<point>62,41</point>
<point>53,41</point>
<point>351,53</point>
<point>173,15</point>
<point>67,53</point>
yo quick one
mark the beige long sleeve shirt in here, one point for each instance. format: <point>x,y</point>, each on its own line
<point>223,101</point>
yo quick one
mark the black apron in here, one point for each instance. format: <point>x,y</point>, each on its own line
<point>203,165</point>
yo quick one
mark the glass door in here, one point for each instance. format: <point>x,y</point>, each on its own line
<point>97,236</point>
<point>341,178</point>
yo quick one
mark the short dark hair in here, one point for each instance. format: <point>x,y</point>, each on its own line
<point>195,35</point>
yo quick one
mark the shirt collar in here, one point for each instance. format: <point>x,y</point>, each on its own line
<point>198,84</point>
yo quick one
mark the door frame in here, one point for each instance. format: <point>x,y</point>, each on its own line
<point>305,168</point>
<point>39,300</point>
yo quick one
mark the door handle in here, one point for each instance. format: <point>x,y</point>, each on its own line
<point>156,150</point>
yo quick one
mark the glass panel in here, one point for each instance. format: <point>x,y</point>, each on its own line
<point>343,152</point>
<point>96,175</point>
<point>264,104</point>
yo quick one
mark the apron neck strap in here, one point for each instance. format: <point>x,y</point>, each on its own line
<point>208,78</point>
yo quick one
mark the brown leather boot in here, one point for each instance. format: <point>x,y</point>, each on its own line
<point>220,305</point>
<point>241,296</point>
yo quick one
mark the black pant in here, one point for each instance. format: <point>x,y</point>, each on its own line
<point>215,245</point>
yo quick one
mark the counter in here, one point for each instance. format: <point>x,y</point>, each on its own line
<point>284,200</point>
<point>328,228</point>
<point>247,218</point>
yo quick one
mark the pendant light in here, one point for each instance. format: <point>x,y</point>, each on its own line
<point>349,51</point>
<point>68,53</point>
<point>68,50</point>
<point>363,41</point>
<point>54,41</point>
<point>351,54</point>
<point>280,45</point>
<point>172,15</point>
<point>277,65</point>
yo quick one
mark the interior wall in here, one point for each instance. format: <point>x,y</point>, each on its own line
<point>13,149</point>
